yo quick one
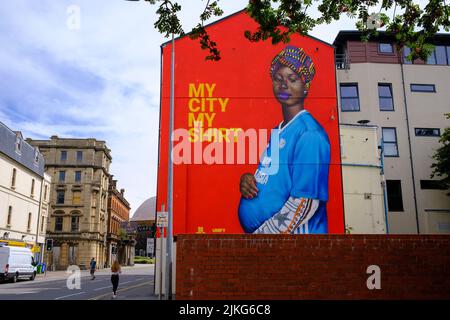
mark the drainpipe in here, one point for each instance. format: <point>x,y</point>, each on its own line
<point>384,187</point>
<point>410,151</point>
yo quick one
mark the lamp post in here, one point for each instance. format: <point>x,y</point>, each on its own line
<point>170,178</point>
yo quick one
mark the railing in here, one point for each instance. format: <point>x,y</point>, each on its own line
<point>342,61</point>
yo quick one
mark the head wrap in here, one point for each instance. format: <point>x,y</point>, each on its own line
<point>296,59</point>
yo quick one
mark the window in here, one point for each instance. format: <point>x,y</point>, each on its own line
<point>349,97</point>
<point>62,176</point>
<point>385,48</point>
<point>406,52</point>
<point>385,97</point>
<point>42,224</point>
<point>76,198</point>
<point>63,155</point>
<point>431,59</point>
<point>428,132</point>
<point>13,180</point>
<point>79,156</point>
<point>394,191</point>
<point>18,145</point>
<point>389,136</point>
<point>432,185</point>
<point>32,187</point>
<point>75,223</point>
<point>77,176</point>
<point>422,87</point>
<point>448,55</point>
<point>45,193</point>
<point>60,197</point>
<point>59,223</point>
<point>440,55</point>
<point>36,156</point>
<point>29,221</point>
<point>8,221</point>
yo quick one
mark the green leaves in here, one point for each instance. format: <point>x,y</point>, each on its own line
<point>441,168</point>
<point>291,14</point>
<point>168,22</point>
<point>278,19</point>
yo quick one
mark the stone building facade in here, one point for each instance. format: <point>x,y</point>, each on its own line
<point>78,219</point>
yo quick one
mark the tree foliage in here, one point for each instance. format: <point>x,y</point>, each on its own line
<point>279,19</point>
<point>441,168</point>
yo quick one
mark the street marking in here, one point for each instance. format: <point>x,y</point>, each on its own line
<point>110,286</point>
<point>103,288</point>
<point>122,290</point>
<point>70,295</point>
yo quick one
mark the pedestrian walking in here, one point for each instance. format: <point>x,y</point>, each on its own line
<point>92,266</point>
<point>115,271</point>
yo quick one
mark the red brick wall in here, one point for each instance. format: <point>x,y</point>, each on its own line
<point>311,266</point>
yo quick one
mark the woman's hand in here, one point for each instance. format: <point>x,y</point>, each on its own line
<point>247,186</point>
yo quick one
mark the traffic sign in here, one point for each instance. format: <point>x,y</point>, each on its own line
<point>162,219</point>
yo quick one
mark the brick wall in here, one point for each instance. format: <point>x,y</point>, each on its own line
<point>311,267</point>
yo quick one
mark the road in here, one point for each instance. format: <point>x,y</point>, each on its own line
<point>136,283</point>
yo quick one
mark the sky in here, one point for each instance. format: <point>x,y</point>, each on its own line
<point>91,69</point>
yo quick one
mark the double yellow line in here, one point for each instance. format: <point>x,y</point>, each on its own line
<point>122,290</point>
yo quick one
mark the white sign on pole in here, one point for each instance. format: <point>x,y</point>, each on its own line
<point>162,219</point>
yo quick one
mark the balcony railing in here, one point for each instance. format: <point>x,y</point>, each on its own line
<point>342,61</point>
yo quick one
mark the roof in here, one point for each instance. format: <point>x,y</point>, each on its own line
<point>355,35</point>
<point>146,211</point>
<point>221,20</point>
<point>26,155</point>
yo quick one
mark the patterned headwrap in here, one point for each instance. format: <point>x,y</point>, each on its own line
<point>296,59</point>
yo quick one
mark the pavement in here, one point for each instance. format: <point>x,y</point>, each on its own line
<point>136,283</point>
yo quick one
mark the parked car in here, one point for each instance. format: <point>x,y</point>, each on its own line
<point>16,263</point>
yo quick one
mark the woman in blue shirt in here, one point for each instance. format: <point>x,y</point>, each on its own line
<point>289,191</point>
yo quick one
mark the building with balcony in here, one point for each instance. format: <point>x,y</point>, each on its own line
<point>407,102</point>
<point>78,220</point>
<point>24,193</point>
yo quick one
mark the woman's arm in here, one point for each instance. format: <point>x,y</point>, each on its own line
<point>295,213</point>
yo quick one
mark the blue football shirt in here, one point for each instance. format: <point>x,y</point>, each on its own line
<point>301,172</point>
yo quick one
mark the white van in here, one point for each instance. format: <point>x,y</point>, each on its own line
<point>16,263</point>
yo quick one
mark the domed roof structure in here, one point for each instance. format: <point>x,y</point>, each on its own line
<point>146,211</point>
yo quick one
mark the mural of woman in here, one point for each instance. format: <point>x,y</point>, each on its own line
<point>293,199</point>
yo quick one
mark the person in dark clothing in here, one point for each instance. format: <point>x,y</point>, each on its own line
<point>92,266</point>
<point>115,271</point>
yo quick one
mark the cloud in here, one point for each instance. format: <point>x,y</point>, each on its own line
<point>100,81</point>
